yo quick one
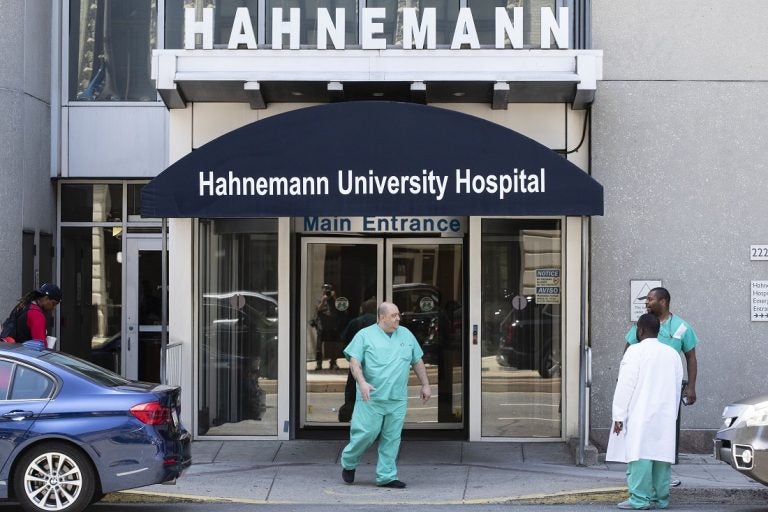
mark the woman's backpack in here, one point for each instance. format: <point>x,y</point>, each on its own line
<point>8,332</point>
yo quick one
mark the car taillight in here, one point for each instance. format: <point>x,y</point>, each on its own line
<point>152,413</point>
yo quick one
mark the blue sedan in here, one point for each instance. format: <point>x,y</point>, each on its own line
<point>71,431</point>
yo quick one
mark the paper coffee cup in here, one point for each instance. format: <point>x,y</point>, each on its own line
<point>50,342</point>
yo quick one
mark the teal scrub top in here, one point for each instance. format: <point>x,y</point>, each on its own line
<point>675,332</point>
<point>386,360</point>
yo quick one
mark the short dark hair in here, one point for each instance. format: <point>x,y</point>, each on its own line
<point>648,324</point>
<point>663,293</point>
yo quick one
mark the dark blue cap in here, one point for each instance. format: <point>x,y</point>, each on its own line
<point>50,290</point>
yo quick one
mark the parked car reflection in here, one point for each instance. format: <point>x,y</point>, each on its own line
<point>251,316</point>
<point>99,432</point>
<point>107,353</point>
<point>527,336</point>
<point>435,324</point>
<point>742,442</point>
<point>239,347</point>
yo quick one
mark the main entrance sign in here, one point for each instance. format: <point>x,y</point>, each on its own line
<point>371,159</point>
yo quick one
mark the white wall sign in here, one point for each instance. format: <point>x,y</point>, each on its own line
<point>758,252</point>
<point>639,289</point>
<point>759,305</point>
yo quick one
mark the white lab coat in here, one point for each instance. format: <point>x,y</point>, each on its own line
<point>647,398</point>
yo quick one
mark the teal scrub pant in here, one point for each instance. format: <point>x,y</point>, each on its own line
<point>383,419</point>
<point>648,482</point>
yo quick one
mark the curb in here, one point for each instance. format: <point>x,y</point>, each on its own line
<point>600,495</point>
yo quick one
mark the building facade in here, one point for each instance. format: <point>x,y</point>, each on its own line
<point>511,298</point>
<point>28,226</point>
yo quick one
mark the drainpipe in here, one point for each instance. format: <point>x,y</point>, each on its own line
<point>56,80</point>
<point>585,359</point>
<point>164,286</point>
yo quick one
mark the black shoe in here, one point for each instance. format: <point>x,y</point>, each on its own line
<point>348,475</point>
<point>394,484</point>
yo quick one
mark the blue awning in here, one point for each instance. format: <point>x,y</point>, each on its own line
<point>371,159</point>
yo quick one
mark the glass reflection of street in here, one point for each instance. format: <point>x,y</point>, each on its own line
<point>325,394</point>
<point>519,403</point>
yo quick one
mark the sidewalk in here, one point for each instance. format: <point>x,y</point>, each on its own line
<point>437,472</point>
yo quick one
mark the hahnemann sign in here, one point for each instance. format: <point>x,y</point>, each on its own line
<point>418,34</point>
<point>372,184</point>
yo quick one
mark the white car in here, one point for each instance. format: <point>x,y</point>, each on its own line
<point>742,442</point>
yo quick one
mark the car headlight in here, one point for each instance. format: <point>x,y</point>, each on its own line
<point>756,415</point>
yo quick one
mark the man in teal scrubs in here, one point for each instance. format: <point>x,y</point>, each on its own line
<point>675,332</point>
<point>380,359</point>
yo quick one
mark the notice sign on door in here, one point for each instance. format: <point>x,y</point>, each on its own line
<point>759,305</point>
<point>547,286</point>
<point>639,289</point>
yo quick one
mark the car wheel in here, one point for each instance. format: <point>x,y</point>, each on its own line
<point>55,477</point>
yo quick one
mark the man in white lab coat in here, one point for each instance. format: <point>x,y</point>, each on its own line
<point>644,416</point>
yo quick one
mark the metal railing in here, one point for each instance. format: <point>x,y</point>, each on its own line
<point>173,353</point>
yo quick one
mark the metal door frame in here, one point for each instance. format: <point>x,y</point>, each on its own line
<point>389,245</point>
<point>303,307</point>
<point>129,358</point>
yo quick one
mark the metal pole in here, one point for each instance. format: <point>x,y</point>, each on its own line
<point>164,286</point>
<point>583,377</point>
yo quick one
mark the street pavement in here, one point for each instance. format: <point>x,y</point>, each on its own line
<point>437,472</point>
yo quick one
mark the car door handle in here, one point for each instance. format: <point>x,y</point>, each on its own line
<point>17,415</point>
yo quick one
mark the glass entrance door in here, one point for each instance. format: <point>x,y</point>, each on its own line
<point>425,282</point>
<point>344,280</point>
<point>343,284</point>
<point>143,313</point>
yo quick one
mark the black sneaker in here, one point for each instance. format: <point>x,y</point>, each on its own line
<point>394,484</point>
<point>348,475</point>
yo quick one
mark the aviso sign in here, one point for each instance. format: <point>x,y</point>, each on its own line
<point>417,34</point>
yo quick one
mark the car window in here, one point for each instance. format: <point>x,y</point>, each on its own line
<point>86,369</point>
<point>29,384</point>
<point>6,367</point>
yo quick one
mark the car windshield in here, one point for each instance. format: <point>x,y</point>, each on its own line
<point>86,369</point>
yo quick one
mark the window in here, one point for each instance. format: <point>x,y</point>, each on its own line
<point>91,272</point>
<point>95,222</point>
<point>521,328</point>
<point>447,11</point>
<point>86,369</point>
<point>238,327</point>
<point>223,16</point>
<point>110,49</point>
<point>309,19</point>
<point>484,14</point>
<point>29,384</point>
<point>6,370</point>
<point>91,202</point>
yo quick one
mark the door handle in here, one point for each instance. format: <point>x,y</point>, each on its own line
<point>17,415</point>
